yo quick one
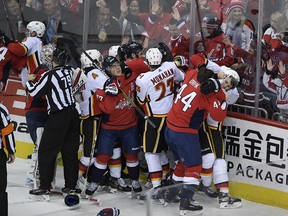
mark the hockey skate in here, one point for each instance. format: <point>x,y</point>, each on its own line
<point>226,201</point>
<point>207,191</point>
<point>188,207</point>
<point>66,190</point>
<point>90,189</point>
<point>136,186</point>
<point>119,184</point>
<point>39,194</point>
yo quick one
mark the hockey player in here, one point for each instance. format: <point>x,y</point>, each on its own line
<point>36,116</point>
<point>90,114</point>
<point>7,142</point>
<point>9,59</point>
<point>120,124</point>
<point>31,47</point>
<point>212,146</point>
<point>155,93</point>
<point>183,122</point>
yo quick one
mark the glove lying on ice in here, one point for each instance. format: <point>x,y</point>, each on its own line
<point>109,212</point>
<point>209,86</point>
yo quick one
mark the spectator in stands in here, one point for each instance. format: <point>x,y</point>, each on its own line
<point>154,22</point>
<point>272,36</point>
<point>19,15</point>
<point>237,27</point>
<point>59,21</point>
<point>103,30</point>
<point>246,69</point>
<point>129,29</point>
<point>213,46</point>
<point>278,84</point>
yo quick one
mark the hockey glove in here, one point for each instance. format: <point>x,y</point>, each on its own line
<point>111,86</point>
<point>209,86</point>
<point>181,62</point>
<point>109,212</point>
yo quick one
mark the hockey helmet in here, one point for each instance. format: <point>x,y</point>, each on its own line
<point>46,55</point>
<point>134,47</point>
<point>36,26</point>
<point>107,62</point>
<point>95,56</point>
<point>154,56</point>
<point>210,20</point>
<point>60,56</point>
<point>113,51</point>
<point>123,52</point>
<point>232,74</point>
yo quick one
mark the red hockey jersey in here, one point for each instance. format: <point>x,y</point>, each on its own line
<point>191,106</point>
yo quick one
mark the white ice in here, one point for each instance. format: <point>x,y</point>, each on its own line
<point>21,205</point>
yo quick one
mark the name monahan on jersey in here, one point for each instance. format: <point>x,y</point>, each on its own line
<point>155,89</point>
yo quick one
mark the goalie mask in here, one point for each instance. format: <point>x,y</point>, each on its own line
<point>154,57</point>
<point>95,56</point>
<point>46,55</point>
<point>36,26</point>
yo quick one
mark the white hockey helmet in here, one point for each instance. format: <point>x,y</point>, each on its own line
<point>36,26</point>
<point>154,56</point>
<point>46,55</point>
<point>113,51</point>
<point>95,55</point>
<point>235,79</point>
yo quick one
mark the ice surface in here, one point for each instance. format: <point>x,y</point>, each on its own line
<point>21,205</point>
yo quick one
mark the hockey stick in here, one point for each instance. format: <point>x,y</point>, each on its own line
<point>201,31</point>
<point>8,20</point>
<point>121,90</point>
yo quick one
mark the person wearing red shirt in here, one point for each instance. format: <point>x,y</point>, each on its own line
<point>185,118</point>
<point>121,123</point>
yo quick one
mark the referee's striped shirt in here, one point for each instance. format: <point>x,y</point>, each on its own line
<point>7,139</point>
<point>56,85</point>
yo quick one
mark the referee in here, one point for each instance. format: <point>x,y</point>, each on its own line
<point>61,131</point>
<point>7,141</point>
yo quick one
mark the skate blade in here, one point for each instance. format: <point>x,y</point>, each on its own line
<point>188,213</point>
<point>226,205</point>
<point>39,197</point>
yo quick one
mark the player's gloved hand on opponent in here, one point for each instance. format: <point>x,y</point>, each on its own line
<point>4,39</point>
<point>209,86</point>
<point>111,86</point>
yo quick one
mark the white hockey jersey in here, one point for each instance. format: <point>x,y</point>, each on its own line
<point>155,89</point>
<point>95,80</point>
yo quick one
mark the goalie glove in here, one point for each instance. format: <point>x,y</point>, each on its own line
<point>209,86</point>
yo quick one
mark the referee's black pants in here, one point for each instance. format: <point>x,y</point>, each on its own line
<point>3,184</point>
<point>61,134</point>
